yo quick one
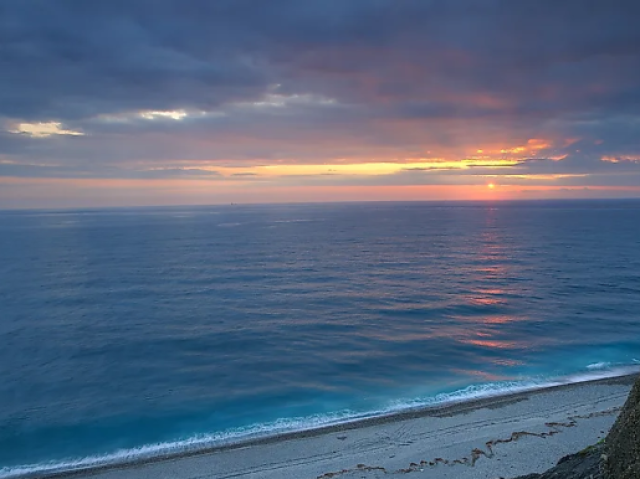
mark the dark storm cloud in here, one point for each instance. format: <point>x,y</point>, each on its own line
<point>21,170</point>
<point>357,77</point>
<point>74,58</point>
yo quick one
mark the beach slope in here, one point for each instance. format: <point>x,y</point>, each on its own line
<point>488,438</point>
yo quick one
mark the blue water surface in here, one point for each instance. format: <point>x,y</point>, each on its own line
<point>131,332</point>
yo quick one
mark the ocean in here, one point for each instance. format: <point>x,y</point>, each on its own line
<point>130,333</point>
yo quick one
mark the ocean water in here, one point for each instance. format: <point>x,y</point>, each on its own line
<point>134,332</point>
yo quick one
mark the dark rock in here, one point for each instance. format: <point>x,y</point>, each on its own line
<point>584,465</point>
<point>622,451</point>
<point>617,458</point>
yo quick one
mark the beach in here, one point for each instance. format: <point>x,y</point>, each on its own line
<point>489,438</point>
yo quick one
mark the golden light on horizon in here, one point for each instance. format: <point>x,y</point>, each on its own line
<point>354,168</point>
<point>491,186</point>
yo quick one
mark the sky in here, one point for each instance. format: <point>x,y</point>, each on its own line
<point>163,102</point>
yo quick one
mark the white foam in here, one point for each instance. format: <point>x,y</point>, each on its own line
<point>471,393</point>
<point>601,365</point>
<point>194,443</point>
<point>604,373</point>
<point>295,221</point>
<point>596,371</point>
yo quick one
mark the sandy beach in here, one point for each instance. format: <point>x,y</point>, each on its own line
<point>487,438</point>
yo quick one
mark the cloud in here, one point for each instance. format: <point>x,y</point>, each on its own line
<point>164,87</point>
<point>43,130</point>
<point>21,170</point>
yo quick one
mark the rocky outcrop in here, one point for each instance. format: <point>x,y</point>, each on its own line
<point>617,458</point>
<point>622,450</point>
<point>584,465</point>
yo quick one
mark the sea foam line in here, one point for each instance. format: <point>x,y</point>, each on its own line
<point>201,442</point>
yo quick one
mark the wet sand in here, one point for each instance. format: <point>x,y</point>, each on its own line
<point>486,438</point>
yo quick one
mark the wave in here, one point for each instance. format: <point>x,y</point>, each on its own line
<point>302,220</point>
<point>201,442</point>
<point>192,444</point>
<point>597,366</point>
<point>503,388</point>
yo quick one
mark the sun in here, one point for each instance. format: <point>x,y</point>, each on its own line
<point>491,186</point>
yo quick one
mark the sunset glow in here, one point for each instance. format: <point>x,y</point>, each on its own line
<point>422,109</point>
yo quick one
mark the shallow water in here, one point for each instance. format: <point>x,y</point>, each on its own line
<point>133,331</point>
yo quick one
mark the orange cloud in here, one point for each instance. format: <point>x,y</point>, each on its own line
<point>618,159</point>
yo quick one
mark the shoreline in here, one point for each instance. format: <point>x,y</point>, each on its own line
<point>446,410</point>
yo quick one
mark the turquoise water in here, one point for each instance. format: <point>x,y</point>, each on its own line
<point>135,332</point>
